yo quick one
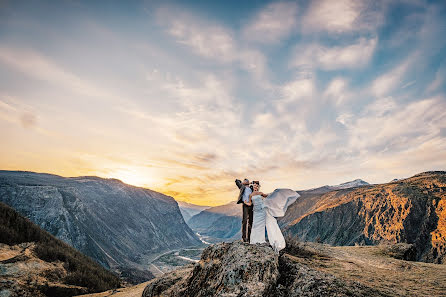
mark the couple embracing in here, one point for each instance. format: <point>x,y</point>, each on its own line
<point>260,212</point>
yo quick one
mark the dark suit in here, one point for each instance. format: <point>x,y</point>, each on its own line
<point>247,213</point>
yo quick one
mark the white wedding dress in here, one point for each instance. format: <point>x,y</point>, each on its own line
<point>265,213</point>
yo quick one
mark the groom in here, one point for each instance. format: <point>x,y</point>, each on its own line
<point>243,197</point>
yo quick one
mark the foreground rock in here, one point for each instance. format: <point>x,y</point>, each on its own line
<point>226,269</point>
<point>239,269</point>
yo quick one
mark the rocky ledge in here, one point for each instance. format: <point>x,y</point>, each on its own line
<point>240,269</point>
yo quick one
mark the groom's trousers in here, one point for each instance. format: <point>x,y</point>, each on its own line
<point>247,222</point>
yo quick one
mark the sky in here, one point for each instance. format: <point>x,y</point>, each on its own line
<point>183,97</point>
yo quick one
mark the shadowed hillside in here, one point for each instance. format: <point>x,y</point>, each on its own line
<point>35,263</point>
<point>121,226</point>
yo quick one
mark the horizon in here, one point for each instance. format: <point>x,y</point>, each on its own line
<point>183,98</point>
<point>209,205</point>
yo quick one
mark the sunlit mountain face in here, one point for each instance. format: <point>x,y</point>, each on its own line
<point>184,97</point>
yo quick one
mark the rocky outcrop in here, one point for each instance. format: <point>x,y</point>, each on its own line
<point>241,269</point>
<point>409,211</point>
<point>116,224</point>
<point>225,269</point>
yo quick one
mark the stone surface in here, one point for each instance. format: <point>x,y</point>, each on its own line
<point>225,269</point>
<point>302,269</point>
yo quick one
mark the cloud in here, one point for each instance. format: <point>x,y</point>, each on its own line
<point>386,125</point>
<point>204,101</point>
<point>37,66</point>
<point>298,89</point>
<point>28,119</point>
<point>345,119</point>
<point>295,92</point>
<point>337,90</point>
<point>255,62</point>
<point>438,81</point>
<point>342,16</point>
<point>207,40</point>
<point>387,82</point>
<point>14,110</point>
<point>214,42</point>
<point>355,55</point>
<point>273,23</point>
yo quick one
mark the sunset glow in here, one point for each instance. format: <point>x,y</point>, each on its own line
<point>184,98</point>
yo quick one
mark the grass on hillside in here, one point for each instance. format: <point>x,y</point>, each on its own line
<point>81,270</point>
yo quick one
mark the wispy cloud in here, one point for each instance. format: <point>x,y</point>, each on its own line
<point>206,39</point>
<point>386,125</point>
<point>438,81</point>
<point>273,23</point>
<point>36,66</point>
<point>213,41</point>
<point>386,82</point>
<point>337,90</point>
<point>354,55</point>
<point>343,16</point>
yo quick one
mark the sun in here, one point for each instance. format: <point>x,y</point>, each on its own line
<point>134,176</point>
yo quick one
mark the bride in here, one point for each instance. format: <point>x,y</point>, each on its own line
<point>266,209</point>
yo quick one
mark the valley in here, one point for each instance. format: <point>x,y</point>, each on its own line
<point>378,240</point>
<point>120,226</point>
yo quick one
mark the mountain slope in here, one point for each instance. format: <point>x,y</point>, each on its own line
<point>35,263</point>
<point>188,210</point>
<point>118,225</point>
<point>224,223</point>
<point>411,210</point>
<point>219,223</point>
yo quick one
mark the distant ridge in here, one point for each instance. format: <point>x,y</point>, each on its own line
<point>188,210</point>
<point>346,185</point>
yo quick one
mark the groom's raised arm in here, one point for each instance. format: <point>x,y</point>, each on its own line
<point>238,183</point>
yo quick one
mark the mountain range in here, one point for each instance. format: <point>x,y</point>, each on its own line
<point>124,228</point>
<point>219,223</point>
<point>120,226</point>
<point>411,210</point>
<point>188,210</point>
<point>223,223</point>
